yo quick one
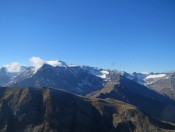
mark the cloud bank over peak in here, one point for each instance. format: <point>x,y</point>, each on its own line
<point>54,63</point>
<point>38,62</point>
<point>14,67</point>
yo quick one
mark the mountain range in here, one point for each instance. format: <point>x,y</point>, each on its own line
<point>108,95</point>
<point>83,79</point>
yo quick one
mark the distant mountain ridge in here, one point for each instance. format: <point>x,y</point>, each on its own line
<point>152,93</point>
<point>138,95</point>
<point>163,83</point>
<point>86,79</point>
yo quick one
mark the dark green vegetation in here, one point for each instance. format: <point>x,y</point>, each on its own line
<point>30,109</point>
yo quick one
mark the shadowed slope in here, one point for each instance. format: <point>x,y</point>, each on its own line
<point>148,100</point>
<point>29,109</point>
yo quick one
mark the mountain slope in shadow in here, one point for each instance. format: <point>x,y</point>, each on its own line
<point>50,110</point>
<point>149,101</point>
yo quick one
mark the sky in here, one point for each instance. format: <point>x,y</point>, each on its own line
<point>130,35</point>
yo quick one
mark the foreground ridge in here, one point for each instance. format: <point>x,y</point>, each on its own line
<point>46,109</point>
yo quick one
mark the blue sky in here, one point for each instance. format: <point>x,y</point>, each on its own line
<point>131,35</point>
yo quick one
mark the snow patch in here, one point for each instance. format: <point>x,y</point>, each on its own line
<point>146,73</point>
<point>155,76</point>
<point>103,74</point>
<point>72,65</point>
<point>54,63</point>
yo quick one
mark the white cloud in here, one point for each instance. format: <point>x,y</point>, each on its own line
<point>37,62</point>
<point>14,67</point>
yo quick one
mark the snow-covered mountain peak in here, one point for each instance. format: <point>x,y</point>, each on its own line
<point>56,63</point>
<point>38,63</point>
<point>102,73</point>
<point>146,73</point>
